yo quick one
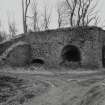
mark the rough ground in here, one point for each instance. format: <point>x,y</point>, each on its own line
<point>52,88</point>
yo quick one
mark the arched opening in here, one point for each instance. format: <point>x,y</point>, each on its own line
<point>103,56</point>
<point>18,55</point>
<point>37,62</point>
<point>71,53</point>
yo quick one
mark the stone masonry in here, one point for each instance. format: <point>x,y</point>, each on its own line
<point>82,45</point>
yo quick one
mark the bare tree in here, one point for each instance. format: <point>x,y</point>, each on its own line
<point>35,17</point>
<point>59,20</point>
<point>3,34</point>
<point>79,12</point>
<point>12,28</point>
<point>46,19</point>
<point>25,6</point>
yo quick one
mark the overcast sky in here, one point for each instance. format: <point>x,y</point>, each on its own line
<point>11,9</point>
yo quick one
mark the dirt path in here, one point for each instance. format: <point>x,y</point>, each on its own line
<point>65,88</point>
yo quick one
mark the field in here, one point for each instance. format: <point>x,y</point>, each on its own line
<point>43,87</point>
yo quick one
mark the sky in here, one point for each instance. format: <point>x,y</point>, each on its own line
<point>11,10</point>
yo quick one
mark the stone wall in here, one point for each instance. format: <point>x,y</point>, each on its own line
<point>19,56</point>
<point>48,45</point>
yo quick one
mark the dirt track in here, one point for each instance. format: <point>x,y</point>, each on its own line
<point>75,88</point>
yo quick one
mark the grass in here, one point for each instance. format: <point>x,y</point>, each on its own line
<point>9,87</point>
<point>15,91</point>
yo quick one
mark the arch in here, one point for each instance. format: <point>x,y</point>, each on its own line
<point>71,53</point>
<point>37,62</point>
<point>19,55</point>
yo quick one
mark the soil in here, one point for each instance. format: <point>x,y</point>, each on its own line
<point>52,88</point>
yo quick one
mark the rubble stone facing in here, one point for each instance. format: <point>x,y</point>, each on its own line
<point>19,56</point>
<point>48,45</point>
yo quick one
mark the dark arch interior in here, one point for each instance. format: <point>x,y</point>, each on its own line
<point>37,61</point>
<point>71,53</point>
<point>103,56</point>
